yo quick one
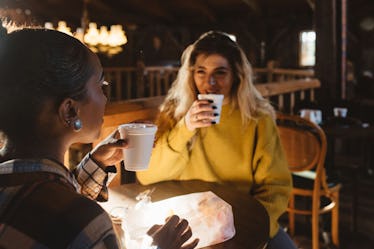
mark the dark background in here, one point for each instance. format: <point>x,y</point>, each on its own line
<point>266,29</point>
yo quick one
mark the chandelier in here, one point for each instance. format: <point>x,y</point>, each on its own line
<point>101,40</point>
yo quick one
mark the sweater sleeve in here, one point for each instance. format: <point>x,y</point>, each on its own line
<point>169,157</point>
<point>272,180</point>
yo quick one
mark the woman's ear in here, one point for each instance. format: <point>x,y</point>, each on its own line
<point>68,111</point>
<point>3,143</point>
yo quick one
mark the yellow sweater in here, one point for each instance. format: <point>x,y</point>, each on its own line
<point>250,158</point>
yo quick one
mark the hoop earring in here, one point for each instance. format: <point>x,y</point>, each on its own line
<point>77,125</point>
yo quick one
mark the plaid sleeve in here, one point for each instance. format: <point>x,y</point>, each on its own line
<point>93,179</point>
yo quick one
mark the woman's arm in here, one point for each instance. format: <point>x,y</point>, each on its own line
<point>272,179</point>
<point>96,170</point>
<point>170,155</point>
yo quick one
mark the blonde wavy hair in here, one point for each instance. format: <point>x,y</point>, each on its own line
<point>183,91</point>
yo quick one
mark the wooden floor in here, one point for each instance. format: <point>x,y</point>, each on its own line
<point>363,238</point>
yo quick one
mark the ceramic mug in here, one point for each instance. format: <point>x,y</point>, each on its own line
<point>340,112</point>
<point>312,115</point>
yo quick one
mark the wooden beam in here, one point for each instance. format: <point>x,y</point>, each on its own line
<point>278,88</point>
<point>311,4</point>
<point>327,52</point>
<point>203,8</point>
<point>111,12</point>
<point>253,5</point>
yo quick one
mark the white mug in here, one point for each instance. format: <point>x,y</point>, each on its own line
<point>312,115</point>
<point>340,112</point>
<point>141,139</point>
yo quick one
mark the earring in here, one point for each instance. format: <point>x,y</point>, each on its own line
<point>77,125</point>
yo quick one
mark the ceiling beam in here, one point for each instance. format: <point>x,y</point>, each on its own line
<point>253,5</point>
<point>203,8</point>
<point>311,4</point>
<point>150,12</point>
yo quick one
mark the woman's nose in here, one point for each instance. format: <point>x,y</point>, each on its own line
<point>212,81</point>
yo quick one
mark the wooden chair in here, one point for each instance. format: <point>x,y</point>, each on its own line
<point>305,145</point>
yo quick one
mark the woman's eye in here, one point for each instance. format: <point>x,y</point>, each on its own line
<point>220,72</point>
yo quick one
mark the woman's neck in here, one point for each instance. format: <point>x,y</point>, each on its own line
<point>24,154</point>
<point>38,149</point>
<point>226,100</point>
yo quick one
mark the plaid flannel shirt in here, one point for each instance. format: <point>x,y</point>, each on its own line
<point>41,205</point>
<point>93,180</point>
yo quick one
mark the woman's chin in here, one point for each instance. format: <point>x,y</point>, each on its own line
<point>96,135</point>
<point>90,138</point>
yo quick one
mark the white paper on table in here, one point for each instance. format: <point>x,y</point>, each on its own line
<point>211,218</point>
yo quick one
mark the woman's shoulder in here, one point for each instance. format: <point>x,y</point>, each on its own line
<point>264,119</point>
<point>50,204</point>
<point>86,221</point>
<point>72,199</point>
<point>265,124</point>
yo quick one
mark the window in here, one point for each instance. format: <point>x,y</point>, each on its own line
<point>307,48</point>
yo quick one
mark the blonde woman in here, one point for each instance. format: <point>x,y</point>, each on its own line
<point>243,149</point>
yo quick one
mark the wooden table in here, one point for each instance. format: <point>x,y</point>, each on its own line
<point>355,134</point>
<point>250,217</point>
<point>359,134</point>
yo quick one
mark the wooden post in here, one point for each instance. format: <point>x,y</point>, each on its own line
<point>344,39</point>
<point>118,85</point>
<point>151,79</point>
<point>140,67</point>
<point>292,102</point>
<point>302,95</point>
<point>129,83</point>
<point>270,69</point>
<point>328,21</point>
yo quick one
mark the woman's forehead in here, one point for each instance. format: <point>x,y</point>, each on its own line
<point>211,61</point>
<point>96,64</point>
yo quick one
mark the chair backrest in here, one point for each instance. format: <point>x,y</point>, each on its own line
<point>304,143</point>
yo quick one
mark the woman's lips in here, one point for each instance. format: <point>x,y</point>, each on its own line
<point>211,92</point>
